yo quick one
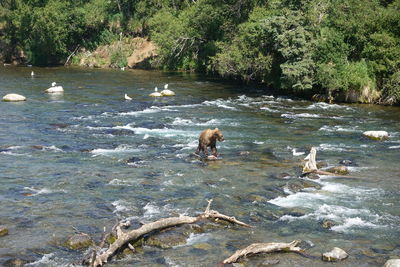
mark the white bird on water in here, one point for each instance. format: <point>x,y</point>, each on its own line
<point>32,74</point>
<point>127,97</point>
<point>166,86</point>
<point>54,89</point>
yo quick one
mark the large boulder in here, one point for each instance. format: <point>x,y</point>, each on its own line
<point>376,135</point>
<point>336,254</point>
<point>14,98</point>
<point>392,263</point>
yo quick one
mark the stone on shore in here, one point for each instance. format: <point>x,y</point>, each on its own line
<point>376,135</point>
<point>79,241</point>
<point>13,98</point>
<point>336,254</point>
<point>392,263</point>
<point>3,230</point>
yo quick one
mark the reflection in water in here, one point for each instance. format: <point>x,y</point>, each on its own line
<point>88,156</point>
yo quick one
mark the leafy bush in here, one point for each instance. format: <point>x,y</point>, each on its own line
<point>118,59</point>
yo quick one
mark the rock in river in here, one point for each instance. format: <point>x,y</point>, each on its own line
<point>79,241</point>
<point>3,230</point>
<point>14,98</point>
<point>336,254</point>
<point>392,263</point>
<point>376,135</point>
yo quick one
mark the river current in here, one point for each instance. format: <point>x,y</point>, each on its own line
<point>84,158</point>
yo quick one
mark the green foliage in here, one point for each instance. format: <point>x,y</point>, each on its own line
<point>326,46</point>
<point>357,76</point>
<point>118,59</point>
<point>392,88</point>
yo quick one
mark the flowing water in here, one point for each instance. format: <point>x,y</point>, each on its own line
<point>82,159</point>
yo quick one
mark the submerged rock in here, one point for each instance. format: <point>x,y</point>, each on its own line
<point>339,170</point>
<point>336,254</point>
<point>269,263</point>
<point>346,162</point>
<point>13,98</point>
<point>300,184</point>
<point>3,230</point>
<point>166,239</point>
<point>376,135</point>
<point>392,263</point>
<point>17,262</point>
<point>79,241</point>
<point>327,224</point>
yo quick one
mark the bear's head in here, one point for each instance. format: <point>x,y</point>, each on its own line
<point>218,134</point>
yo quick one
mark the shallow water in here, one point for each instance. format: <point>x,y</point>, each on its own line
<point>87,157</point>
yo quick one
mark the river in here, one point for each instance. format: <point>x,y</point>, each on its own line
<point>86,157</point>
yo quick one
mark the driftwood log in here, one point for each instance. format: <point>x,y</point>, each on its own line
<point>101,255</point>
<point>310,166</point>
<point>264,248</point>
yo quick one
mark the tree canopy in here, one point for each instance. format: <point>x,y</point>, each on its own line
<point>325,46</point>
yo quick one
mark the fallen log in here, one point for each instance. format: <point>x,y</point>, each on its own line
<point>101,256</point>
<point>310,166</point>
<point>257,248</point>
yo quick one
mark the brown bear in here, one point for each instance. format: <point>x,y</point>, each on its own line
<point>208,138</point>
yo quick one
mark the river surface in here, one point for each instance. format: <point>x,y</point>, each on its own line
<point>84,158</point>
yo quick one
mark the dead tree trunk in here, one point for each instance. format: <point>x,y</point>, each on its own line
<point>263,248</point>
<point>311,166</point>
<point>124,238</point>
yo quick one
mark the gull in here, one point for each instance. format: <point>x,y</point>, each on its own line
<point>127,97</point>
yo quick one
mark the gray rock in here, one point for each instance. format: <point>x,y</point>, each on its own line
<point>14,98</point>
<point>339,170</point>
<point>327,224</point>
<point>392,263</point>
<point>79,241</point>
<point>376,135</point>
<point>269,263</point>
<point>17,262</point>
<point>336,254</point>
<point>3,230</point>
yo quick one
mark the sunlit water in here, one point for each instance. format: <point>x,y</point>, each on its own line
<point>87,157</point>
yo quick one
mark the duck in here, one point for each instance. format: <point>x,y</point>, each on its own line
<point>167,92</point>
<point>155,93</point>
<point>54,89</point>
<point>127,97</point>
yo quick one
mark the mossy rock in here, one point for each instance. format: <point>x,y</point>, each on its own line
<point>327,224</point>
<point>79,241</point>
<point>342,170</point>
<point>16,262</point>
<point>203,246</point>
<point>3,230</point>
<point>166,239</point>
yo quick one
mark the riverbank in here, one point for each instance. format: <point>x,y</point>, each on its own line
<point>139,53</point>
